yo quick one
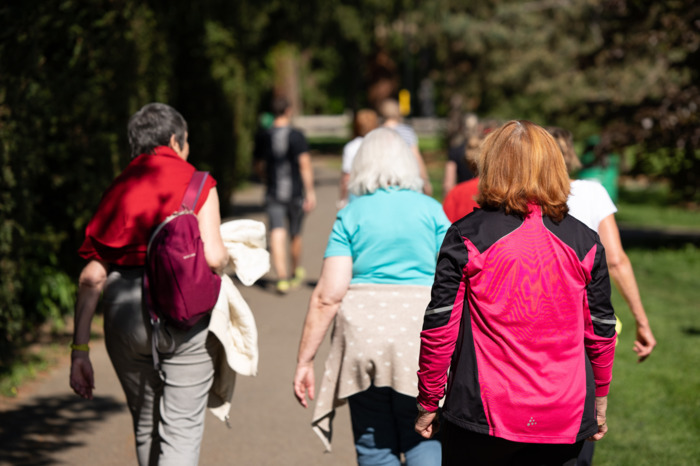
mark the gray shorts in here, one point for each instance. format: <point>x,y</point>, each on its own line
<point>291,213</point>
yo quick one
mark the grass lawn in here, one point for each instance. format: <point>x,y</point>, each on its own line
<point>652,207</point>
<point>654,406</point>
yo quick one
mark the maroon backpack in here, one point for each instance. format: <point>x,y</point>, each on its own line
<point>179,286</point>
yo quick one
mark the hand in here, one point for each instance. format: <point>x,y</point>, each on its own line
<point>82,379</point>
<point>602,430</point>
<point>601,407</point>
<point>309,201</point>
<point>645,342</point>
<point>304,381</point>
<point>427,424</point>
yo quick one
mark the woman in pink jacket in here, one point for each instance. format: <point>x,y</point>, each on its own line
<point>520,314</point>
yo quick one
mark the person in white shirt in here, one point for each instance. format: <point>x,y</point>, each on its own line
<point>590,203</point>
<point>390,111</point>
<point>365,121</point>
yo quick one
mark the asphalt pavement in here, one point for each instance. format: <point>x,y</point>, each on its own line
<point>51,425</point>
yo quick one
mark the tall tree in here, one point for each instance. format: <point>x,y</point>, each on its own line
<point>65,96</point>
<point>625,68</point>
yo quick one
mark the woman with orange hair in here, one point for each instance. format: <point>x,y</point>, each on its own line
<point>520,315</point>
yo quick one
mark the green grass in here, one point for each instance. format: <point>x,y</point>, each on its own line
<point>654,406</point>
<point>653,206</point>
<point>32,360</point>
<point>431,143</point>
<point>651,216</point>
<point>435,173</point>
<point>26,368</point>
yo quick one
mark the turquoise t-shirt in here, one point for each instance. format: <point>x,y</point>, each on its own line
<point>392,235</point>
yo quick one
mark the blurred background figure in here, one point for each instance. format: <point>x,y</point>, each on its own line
<point>520,315</point>
<point>390,111</point>
<point>457,167</point>
<point>375,295</point>
<point>365,121</point>
<point>461,200</point>
<point>590,203</point>
<point>282,159</point>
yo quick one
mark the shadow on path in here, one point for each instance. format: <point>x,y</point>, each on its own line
<point>32,433</point>
<point>656,238</point>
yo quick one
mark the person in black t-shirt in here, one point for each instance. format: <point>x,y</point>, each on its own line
<point>282,159</point>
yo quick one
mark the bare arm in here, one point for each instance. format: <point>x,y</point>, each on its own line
<point>450,179</point>
<point>90,285</point>
<point>622,275</point>
<point>323,306</point>
<point>307,177</point>
<point>427,187</point>
<point>209,220</point>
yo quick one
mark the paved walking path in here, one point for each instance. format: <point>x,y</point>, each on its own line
<point>268,427</point>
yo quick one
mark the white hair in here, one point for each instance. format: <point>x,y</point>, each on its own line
<point>384,160</point>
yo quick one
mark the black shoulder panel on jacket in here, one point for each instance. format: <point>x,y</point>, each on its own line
<point>573,233</point>
<point>485,227</point>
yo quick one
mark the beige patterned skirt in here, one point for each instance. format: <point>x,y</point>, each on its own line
<point>375,339</point>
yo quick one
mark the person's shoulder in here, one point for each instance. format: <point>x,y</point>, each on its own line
<point>407,133</point>
<point>587,186</point>
<point>573,232</point>
<point>420,199</point>
<point>295,132</point>
<point>210,180</point>
<point>406,127</point>
<point>469,186</point>
<point>480,215</point>
<point>590,189</point>
<point>456,153</point>
<point>353,144</point>
<point>572,221</point>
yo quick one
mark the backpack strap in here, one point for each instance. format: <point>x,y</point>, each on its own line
<point>189,201</point>
<point>194,189</point>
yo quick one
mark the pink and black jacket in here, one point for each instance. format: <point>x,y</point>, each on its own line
<point>520,314</point>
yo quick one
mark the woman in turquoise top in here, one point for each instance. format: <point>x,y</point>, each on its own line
<point>374,286</point>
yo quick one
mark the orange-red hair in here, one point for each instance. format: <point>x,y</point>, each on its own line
<point>520,163</point>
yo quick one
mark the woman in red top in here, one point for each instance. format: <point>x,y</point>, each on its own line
<point>168,413</point>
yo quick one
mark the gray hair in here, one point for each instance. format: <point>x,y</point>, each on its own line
<point>384,160</point>
<point>152,126</point>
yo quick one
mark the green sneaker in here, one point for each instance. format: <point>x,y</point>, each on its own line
<point>299,276</point>
<point>283,286</point>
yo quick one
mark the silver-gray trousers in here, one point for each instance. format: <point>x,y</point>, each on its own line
<point>168,414</point>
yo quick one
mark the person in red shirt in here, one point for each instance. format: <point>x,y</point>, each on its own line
<point>461,199</point>
<point>168,411</point>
